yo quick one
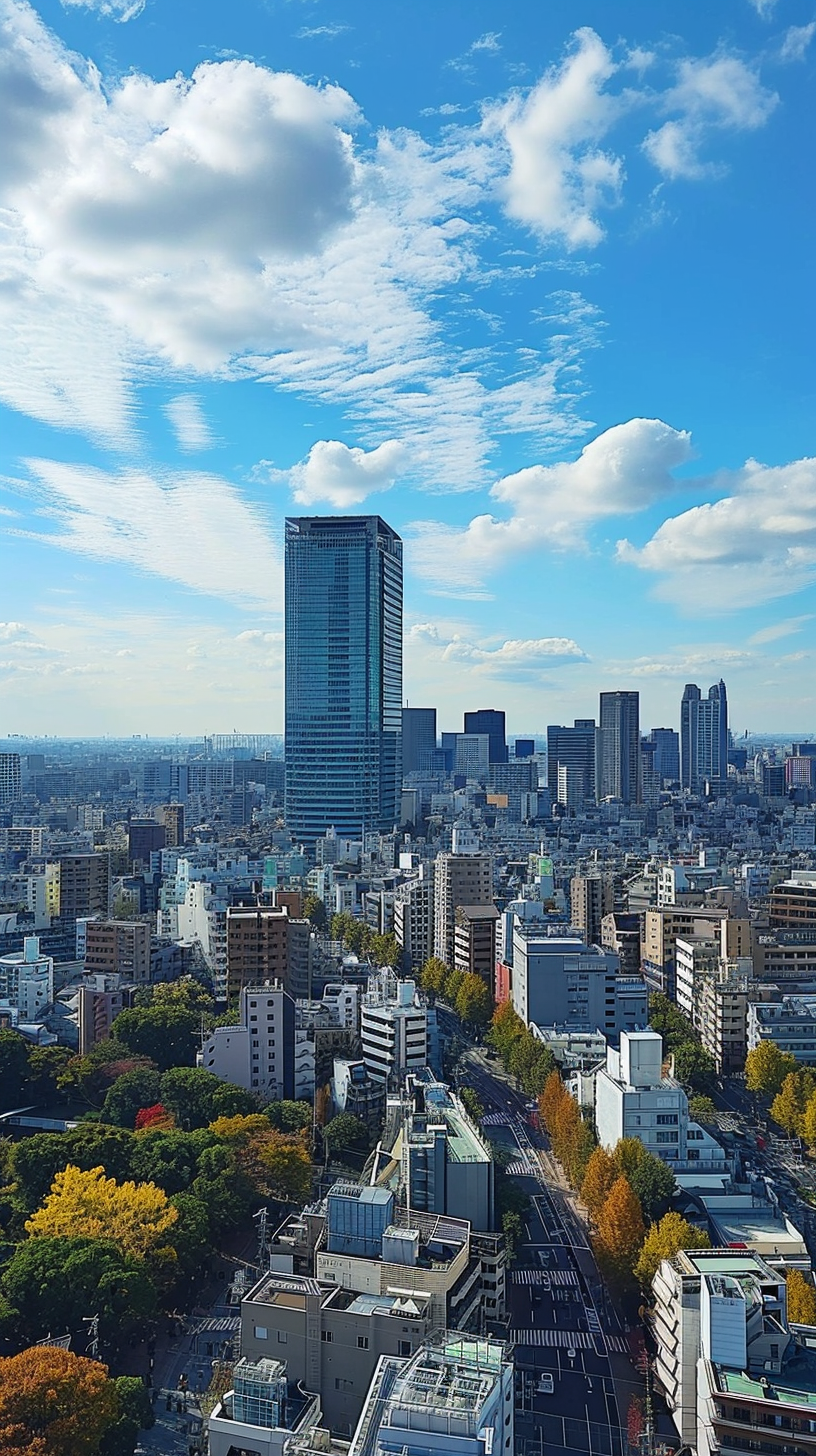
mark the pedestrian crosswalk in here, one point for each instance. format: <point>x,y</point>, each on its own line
<point>539,1276</point>
<point>522,1168</point>
<point>571,1340</point>
<point>563,1339</point>
<point>494,1119</point>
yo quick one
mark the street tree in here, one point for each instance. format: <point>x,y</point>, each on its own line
<point>664,1240</point>
<point>598,1179</point>
<point>620,1232</point>
<point>766,1068</point>
<point>694,1067</point>
<point>433,974</point>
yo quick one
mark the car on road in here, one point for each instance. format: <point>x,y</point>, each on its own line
<point>546,1384</point>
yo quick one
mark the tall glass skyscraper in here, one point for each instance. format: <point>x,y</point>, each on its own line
<point>619,747</point>
<point>343,579</point>
<point>704,737</point>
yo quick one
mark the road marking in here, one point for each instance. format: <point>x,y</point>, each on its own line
<point>564,1339</point>
<point>537,1276</point>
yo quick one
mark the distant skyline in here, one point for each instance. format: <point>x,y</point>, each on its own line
<point>534,283</point>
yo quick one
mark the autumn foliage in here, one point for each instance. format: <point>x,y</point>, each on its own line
<point>620,1232</point>
<point>53,1403</point>
<point>801,1298</point>
<point>154,1117</point>
<point>135,1216</point>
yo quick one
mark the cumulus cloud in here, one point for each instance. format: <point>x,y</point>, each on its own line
<point>345,476</point>
<point>686,664</point>
<point>796,42</point>
<point>753,545</point>
<point>189,422</point>
<point>719,93</point>
<point>224,225</point>
<point>558,178</point>
<point>512,660</point>
<point>187,527</point>
<point>622,471</point>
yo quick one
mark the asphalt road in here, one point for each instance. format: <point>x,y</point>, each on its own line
<point>560,1320</point>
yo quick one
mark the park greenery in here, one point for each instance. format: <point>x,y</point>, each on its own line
<point>360,940</point>
<point>626,1191</point>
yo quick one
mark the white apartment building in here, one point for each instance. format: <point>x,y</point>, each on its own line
<point>258,1053</point>
<point>27,980</point>
<point>393,1026</point>
<point>634,1099</point>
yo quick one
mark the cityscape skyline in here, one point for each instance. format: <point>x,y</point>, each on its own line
<point>495,293</point>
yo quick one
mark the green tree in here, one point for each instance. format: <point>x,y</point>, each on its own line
<point>668,1019</point>
<point>474,1003</point>
<point>385,950</point>
<point>189,1093</point>
<point>472,1103</point>
<point>54,1282</point>
<point>135,1414</point>
<point>663,1241</point>
<point>223,1189</point>
<point>89,1077</point>
<point>653,1184</point>
<point>191,1235</point>
<point>315,911</point>
<point>702,1109</point>
<point>34,1162</point>
<point>45,1066</point>
<point>433,974</point>
<point>505,1028</point>
<point>513,1230</point>
<point>346,1133</point>
<point>766,1068</point>
<point>801,1298</point>
<point>168,1034</point>
<point>287,1116</point>
<point>694,1066</point>
<point>187,993</point>
<point>129,1094</point>
<point>13,1070</point>
<point>168,1159</point>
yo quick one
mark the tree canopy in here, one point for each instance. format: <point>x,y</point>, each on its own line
<point>54,1403</point>
<point>801,1298</point>
<point>620,1232</point>
<point>766,1068</point>
<point>167,1033</point>
<point>664,1240</point>
<point>135,1216</point>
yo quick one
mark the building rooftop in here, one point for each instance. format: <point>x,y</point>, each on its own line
<point>795,1386</point>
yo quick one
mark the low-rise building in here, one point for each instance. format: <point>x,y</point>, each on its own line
<point>453,1397</point>
<point>27,980</point>
<point>259,1052</point>
<point>558,980</point>
<point>790,1022</point>
<point>393,1027</point>
<point>634,1099</point>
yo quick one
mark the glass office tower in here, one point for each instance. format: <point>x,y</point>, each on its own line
<point>343,578</point>
<point>619,748</point>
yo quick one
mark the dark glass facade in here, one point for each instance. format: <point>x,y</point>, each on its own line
<point>343,579</point>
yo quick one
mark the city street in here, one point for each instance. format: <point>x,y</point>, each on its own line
<point>561,1322</point>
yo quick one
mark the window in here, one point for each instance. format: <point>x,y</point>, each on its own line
<point>668,1119</point>
<point>326,1336</point>
<point>341,1384</point>
<point>261,1332</point>
<point>666,1137</point>
<point>405,1347</point>
<point>362,1342</point>
<point>282,1337</point>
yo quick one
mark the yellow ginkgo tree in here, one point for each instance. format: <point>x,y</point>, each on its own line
<point>136,1216</point>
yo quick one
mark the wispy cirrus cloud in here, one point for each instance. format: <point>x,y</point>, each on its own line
<point>189,422</point>
<point>186,526</point>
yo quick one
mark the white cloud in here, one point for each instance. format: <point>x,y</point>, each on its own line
<point>321,32</point>
<point>764,8</point>
<point>189,422</point>
<point>558,179</point>
<point>490,41</point>
<point>797,41</point>
<point>188,527</point>
<point>787,628</point>
<point>121,10</point>
<point>345,477</point>
<point>753,545</point>
<point>719,93</point>
<point>622,471</point>
<point>512,660</point>
<point>224,226</point>
<point>685,664</point>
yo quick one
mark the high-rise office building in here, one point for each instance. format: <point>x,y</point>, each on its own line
<point>574,750</point>
<point>703,737</point>
<point>343,579</point>
<point>525,748</point>
<point>418,739</point>
<point>10,778</point>
<point>666,753</point>
<point>619,747</point>
<point>492,722</point>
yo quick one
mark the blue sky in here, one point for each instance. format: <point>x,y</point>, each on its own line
<point>534,282</point>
